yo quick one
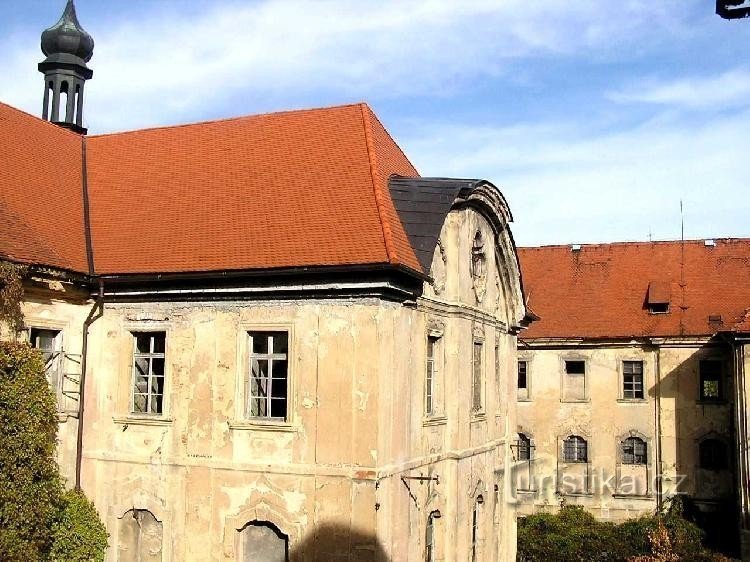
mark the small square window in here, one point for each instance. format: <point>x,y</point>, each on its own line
<point>148,372</point>
<point>632,380</point>
<point>710,380</point>
<point>267,391</point>
<point>575,367</point>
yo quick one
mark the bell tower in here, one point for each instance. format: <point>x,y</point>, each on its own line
<point>68,48</point>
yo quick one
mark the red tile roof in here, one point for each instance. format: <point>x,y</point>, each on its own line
<point>41,197</point>
<point>285,190</point>
<point>601,291</point>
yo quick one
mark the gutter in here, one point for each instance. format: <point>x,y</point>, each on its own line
<point>97,311</point>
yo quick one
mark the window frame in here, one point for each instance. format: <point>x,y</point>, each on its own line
<point>525,445</point>
<point>270,356</point>
<point>623,374</point>
<point>564,377</point>
<point>702,379</point>
<point>57,360</point>
<point>579,443</point>
<point>433,369</point>
<point>477,376</point>
<point>633,459</point>
<point>150,356</point>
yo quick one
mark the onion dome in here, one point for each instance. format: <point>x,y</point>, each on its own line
<point>67,37</point>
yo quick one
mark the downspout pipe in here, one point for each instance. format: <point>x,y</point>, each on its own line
<point>97,311</point>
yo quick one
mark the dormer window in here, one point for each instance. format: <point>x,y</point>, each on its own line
<point>659,293</point>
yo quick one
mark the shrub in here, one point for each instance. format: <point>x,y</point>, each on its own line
<point>573,535</point>
<point>29,481</point>
<point>78,534</point>
<point>37,520</point>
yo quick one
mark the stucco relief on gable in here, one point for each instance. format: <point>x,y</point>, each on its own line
<point>439,268</point>
<point>479,266</point>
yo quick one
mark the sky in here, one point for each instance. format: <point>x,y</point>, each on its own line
<point>595,119</point>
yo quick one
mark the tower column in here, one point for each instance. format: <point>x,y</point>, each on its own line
<point>45,109</point>
<point>55,101</point>
<point>70,109</point>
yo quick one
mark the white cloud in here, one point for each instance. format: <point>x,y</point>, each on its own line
<point>165,67</point>
<point>729,89</point>
<point>567,186</point>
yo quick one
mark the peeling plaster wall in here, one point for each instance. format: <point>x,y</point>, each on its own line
<point>331,478</point>
<point>603,418</point>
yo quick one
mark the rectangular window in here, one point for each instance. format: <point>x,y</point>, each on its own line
<point>710,380</point>
<point>632,380</point>
<point>148,372</point>
<point>574,385</point>
<point>523,380</point>
<point>49,343</point>
<point>268,379</point>
<point>431,372</point>
<point>477,377</point>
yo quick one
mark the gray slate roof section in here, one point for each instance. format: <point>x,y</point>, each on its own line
<point>422,205</point>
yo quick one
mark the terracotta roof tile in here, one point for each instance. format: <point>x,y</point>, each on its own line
<point>41,197</point>
<point>292,189</point>
<point>601,291</point>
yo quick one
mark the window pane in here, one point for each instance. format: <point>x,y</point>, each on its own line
<point>157,385</point>
<point>278,388</point>
<point>157,367</point>
<point>258,407</point>
<point>156,401</point>
<point>278,408</point>
<point>143,343</point>
<point>260,342</point>
<point>279,368</point>
<point>575,367</point>
<point>280,342</point>
<point>260,368</point>
<point>159,341</point>
<point>139,403</point>
<point>522,374</point>
<point>259,387</point>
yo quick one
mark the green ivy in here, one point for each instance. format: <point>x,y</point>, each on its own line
<point>36,517</point>
<point>11,294</point>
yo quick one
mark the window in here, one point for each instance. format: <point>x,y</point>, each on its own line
<point>430,383</point>
<point>575,449</point>
<point>710,380</point>
<point>523,380</point>
<point>575,380</point>
<point>50,344</point>
<point>260,540</point>
<point>476,385</point>
<point>713,454</point>
<point>139,536</point>
<point>268,379</point>
<point>634,451</point>
<point>148,372</point>
<point>429,542</point>
<point>475,529</point>
<point>659,295</point>
<point>524,448</point>
<point>632,380</point>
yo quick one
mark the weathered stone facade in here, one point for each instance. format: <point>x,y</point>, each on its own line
<point>336,478</point>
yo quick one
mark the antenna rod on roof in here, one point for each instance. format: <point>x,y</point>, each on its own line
<point>682,269</point>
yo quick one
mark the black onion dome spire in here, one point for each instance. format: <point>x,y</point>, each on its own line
<point>68,37</point>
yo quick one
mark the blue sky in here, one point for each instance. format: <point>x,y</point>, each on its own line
<point>594,118</point>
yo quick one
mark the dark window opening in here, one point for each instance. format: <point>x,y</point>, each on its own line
<point>575,367</point>
<point>710,380</point>
<point>522,372</point>
<point>713,455</point>
<point>634,451</point>
<point>575,449</point>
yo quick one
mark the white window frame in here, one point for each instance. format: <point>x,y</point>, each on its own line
<point>150,356</point>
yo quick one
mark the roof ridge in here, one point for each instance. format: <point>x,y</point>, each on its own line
<point>41,121</point>
<point>374,115</point>
<point>633,243</point>
<point>228,119</point>
<point>390,249</point>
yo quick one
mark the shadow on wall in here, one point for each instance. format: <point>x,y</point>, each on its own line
<point>334,543</point>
